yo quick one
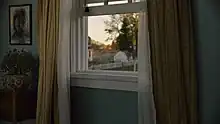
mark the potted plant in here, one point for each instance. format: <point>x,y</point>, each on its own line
<point>20,69</point>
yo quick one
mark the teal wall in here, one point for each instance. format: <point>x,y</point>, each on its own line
<point>90,106</point>
<point>27,96</point>
<point>4,23</point>
<point>98,106</point>
<point>207,34</point>
<point>207,29</point>
<point>95,106</point>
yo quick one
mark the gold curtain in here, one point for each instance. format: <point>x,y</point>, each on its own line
<point>173,61</point>
<point>47,37</point>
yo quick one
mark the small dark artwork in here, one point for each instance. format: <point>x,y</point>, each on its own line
<point>20,25</point>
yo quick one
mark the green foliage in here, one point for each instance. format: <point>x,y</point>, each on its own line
<point>17,62</point>
<point>125,38</point>
<point>20,69</point>
<point>124,29</point>
<point>113,26</point>
<point>95,45</point>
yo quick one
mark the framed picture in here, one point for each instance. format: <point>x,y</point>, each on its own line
<point>20,24</point>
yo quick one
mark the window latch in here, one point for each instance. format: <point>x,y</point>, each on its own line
<point>86,7</point>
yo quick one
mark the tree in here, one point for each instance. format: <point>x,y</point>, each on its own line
<point>124,40</point>
<point>95,45</point>
<point>113,26</point>
<point>124,29</point>
<point>114,45</point>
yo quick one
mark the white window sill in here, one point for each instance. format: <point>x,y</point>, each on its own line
<point>105,80</point>
<point>106,75</point>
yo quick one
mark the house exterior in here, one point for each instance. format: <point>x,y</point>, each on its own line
<point>121,57</point>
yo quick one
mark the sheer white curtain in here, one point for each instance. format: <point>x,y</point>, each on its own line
<point>63,62</point>
<point>146,111</point>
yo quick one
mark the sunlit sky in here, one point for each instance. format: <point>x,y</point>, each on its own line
<point>96,26</point>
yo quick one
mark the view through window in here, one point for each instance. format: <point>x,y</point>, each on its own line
<point>112,42</point>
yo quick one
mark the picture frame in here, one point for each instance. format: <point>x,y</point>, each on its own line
<point>20,24</point>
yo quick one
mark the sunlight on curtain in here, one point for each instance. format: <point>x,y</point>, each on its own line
<point>173,61</point>
<point>63,62</point>
<point>146,111</point>
<point>48,30</point>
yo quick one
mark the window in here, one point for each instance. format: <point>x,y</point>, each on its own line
<point>105,36</point>
<point>113,42</point>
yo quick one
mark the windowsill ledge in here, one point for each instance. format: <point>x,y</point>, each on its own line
<point>117,81</point>
<point>124,77</point>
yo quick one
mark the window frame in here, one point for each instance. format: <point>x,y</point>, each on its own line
<point>79,50</point>
<point>100,1</point>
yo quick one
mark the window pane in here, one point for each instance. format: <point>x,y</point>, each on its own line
<point>111,3</point>
<point>95,4</point>
<point>117,2</point>
<point>136,1</point>
<point>113,42</point>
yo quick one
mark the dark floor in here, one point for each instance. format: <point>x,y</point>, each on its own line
<point>23,122</point>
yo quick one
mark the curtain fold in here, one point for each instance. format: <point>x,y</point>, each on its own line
<point>47,37</point>
<point>146,110</point>
<point>63,61</point>
<point>173,61</point>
